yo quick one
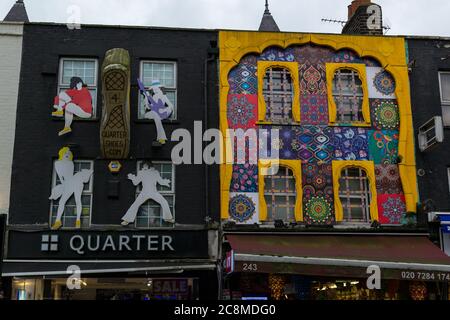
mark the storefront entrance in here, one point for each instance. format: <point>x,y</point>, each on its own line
<point>151,288</point>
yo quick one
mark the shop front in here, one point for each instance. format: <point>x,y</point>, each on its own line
<point>335,267</point>
<point>111,265</point>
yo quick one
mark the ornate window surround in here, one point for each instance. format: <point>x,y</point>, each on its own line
<point>263,66</point>
<point>369,168</point>
<point>295,166</point>
<point>331,69</point>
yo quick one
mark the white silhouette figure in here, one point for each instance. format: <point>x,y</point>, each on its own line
<point>70,185</point>
<point>149,177</point>
<point>158,107</point>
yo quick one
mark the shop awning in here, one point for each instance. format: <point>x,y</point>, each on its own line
<point>398,256</point>
<point>55,268</point>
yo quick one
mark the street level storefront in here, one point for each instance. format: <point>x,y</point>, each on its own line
<point>111,265</point>
<point>330,266</point>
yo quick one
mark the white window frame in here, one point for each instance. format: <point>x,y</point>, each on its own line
<point>90,192</point>
<point>170,192</point>
<point>62,86</point>
<point>175,89</point>
<point>444,104</point>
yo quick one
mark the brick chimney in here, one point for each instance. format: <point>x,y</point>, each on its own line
<point>364,18</point>
<point>355,5</point>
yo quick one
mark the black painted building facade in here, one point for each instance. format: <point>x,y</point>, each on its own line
<point>429,67</point>
<point>178,255</point>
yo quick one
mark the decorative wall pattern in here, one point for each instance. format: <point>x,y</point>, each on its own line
<point>242,111</point>
<point>314,142</point>
<point>384,114</point>
<point>243,79</point>
<point>380,83</point>
<point>350,144</point>
<point>383,146</point>
<point>318,206</point>
<point>243,208</point>
<point>391,208</point>
<point>388,179</point>
<point>314,109</point>
<point>245,178</point>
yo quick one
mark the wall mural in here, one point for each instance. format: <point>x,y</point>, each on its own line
<point>77,101</point>
<point>70,185</point>
<point>314,142</point>
<point>157,107</point>
<point>149,177</point>
<point>115,123</point>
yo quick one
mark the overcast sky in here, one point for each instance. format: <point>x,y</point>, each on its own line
<point>405,17</point>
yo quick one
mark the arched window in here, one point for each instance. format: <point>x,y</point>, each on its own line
<point>280,195</point>
<point>278,95</point>
<point>348,95</point>
<point>354,194</point>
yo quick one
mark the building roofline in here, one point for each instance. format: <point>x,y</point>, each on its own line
<point>220,29</point>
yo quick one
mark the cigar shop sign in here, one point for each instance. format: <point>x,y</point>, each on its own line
<point>108,245</point>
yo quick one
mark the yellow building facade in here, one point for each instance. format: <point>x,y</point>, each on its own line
<point>333,112</point>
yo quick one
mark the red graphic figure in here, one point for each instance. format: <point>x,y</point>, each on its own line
<point>75,101</point>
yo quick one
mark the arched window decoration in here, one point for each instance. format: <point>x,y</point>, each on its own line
<point>348,95</point>
<point>278,95</point>
<point>354,194</point>
<point>280,195</point>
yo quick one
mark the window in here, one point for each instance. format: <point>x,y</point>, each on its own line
<point>444,85</point>
<point>280,195</point>
<point>278,95</point>
<point>278,92</point>
<point>86,69</point>
<point>69,216</point>
<point>348,96</point>
<point>150,213</point>
<point>166,74</point>
<point>354,194</point>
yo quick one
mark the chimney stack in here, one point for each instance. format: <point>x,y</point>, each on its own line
<point>355,5</point>
<point>364,18</point>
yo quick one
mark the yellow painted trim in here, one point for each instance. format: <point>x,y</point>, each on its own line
<point>263,66</point>
<point>296,167</point>
<point>331,69</point>
<point>369,168</point>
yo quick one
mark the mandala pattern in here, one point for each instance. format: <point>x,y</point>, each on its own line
<point>277,54</point>
<point>391,209</point>
<point>317,185</point>
<point>381,85</point>
<point>350,144</point>
<point>384,83</point>
<point>242,111</point>
<point>314,109</point>
<point>383,146</point>
<point>319,177</point>
<point>241,208</point>
<point>388,179</point>
<point>385,114</point>
<point>244,178</point>
<point>243,79</point>
<point>318,210</point>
